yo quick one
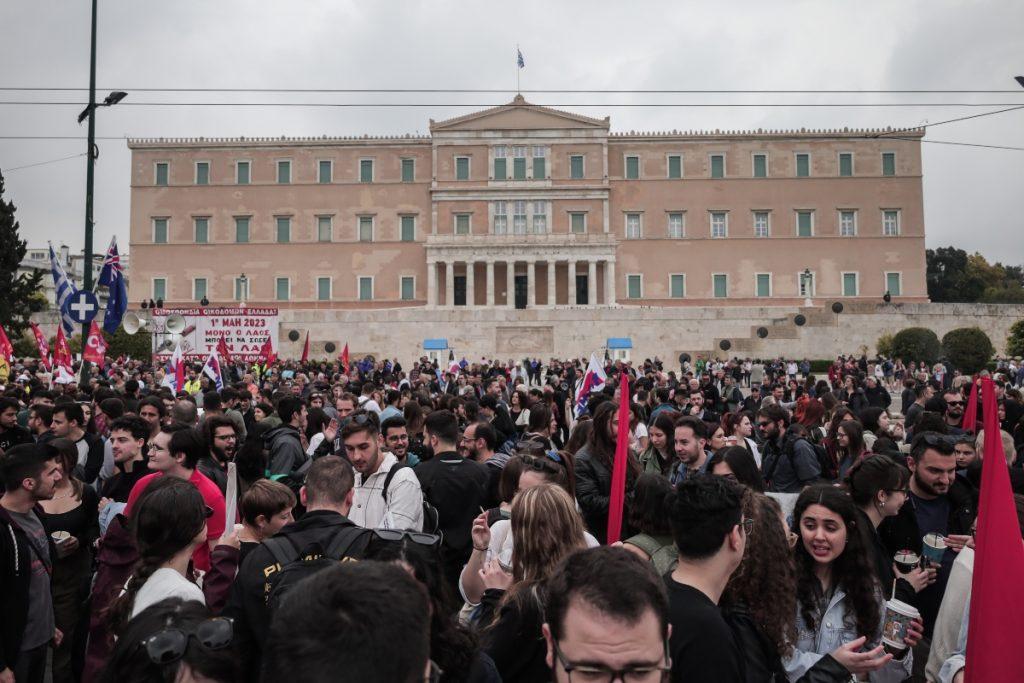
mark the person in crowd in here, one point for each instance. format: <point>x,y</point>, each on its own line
<point>392,398</point>
<point>650,517</point>
<point>11,433</point>
<point>128,436</point>
<point>710,537</point>
<point>659,455</point>
<point>954,411</point>
<point>30,474</point>
<point>478,443</point>
<point>736,464</point>
<point>594,470</point>
<point>387,494</point>
<point>876,394</point>
<point>966,453</point>
<point>151,409</point>
<point>716,438</point>
<point>519,410</point>
<point>40,419</point>
<point>811,416</point>
<point>221,437</point>
<point>69,423</point>
<point>368,621</point>
<point>396,440</point>
<point>265,508</point>
<point>263,411</point>
<point>72,515</point>
<point>606,616</point>
<point>691,444</point>
<point>922,392</point>
<point>740,427</point>
<point>287,455</point>
<point>317,421</point>
<point>850,442</point>
<point>580,435</point>
<point>174,639</point>
<point>546,528</point>
<point>185,412</point>
<point>840,606</point>
<point>788,462</point>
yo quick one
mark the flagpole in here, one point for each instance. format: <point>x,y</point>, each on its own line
<point>518,91</point>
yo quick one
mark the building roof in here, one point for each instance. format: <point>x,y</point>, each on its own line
<point>518,114</point>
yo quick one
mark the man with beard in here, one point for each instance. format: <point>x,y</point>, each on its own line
<point>221,436</point>
<point>151,409</point>
<point>954,413</point>
<point>396,440</point>
<point>387,495</point>
<point>478,443</point>
<point>691,438</point>
<point>69,423</point>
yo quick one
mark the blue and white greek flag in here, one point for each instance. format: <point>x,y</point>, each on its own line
<point>63,289</point>
<point>519,58</point>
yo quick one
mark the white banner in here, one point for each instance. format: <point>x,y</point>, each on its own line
<point>244,330</point>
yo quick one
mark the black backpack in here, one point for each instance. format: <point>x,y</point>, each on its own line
<point>431,517</point>
<point>348,545</point>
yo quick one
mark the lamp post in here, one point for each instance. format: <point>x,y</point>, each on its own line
<point>243,290</point>
<point>807,280</point>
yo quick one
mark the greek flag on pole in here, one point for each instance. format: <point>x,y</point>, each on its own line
<point>593,380</point>
<point>212,370</point>
<point>64,289</point>
<point>519,58</point>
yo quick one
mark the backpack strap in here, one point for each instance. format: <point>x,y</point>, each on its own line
<point>387,479</point>
<point>343,540</point>
<point>283,549</point>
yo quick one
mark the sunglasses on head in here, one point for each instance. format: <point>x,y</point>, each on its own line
<point>418,537</point>
<point>170,644</point>
<point>540,463</point>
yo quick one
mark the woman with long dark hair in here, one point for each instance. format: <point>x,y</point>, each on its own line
<point>850,445</point>
<point>839,601</point>
<point>649,515</point>
<point>659,454</point>
<point>740,426</point>
<point>830,442</point>
<point>736,463</point>
<point>594,471</point>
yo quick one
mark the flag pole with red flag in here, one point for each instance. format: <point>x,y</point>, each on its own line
<point>344,357</point>
<point>618,491</point>
<point>6,348</point>
<point>996,623</point>
<point>44,346</point>
<point>305,349</point>
<point>970,421</point>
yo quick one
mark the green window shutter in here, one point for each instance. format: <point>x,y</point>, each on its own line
<point>365,228</point>
<point>846,164</point>
<point>408,170</point>
<point>159,288</point>
<point>283,289</point>
<point>242,173</point>
<point>519,168</point>
<point>408,289</point>
<point>365,289</point>
<point>162,173</point>
<point>323,228</point>
<point>408,228</point>
<point>675,167</point>
<point>324,172</point>
<point>849,284</point>
<point>721,286</point>
<point>462,224</point>
<point>538,168</point>
<point>284,230</point>
<point>803,165</point>
<point>892,283</point>
<point>889,163</point>
<point>199,288</point>
<point>678,286</point>
<point>160,231</point>
<point>764,284</point>
<point>202,231</point>
<point>284,172</point>
<point>323,289</point>
<point>760,166</point>
<point>578,222</point>
<point>633,287</point>
<point>241,230</point>
<point>462,168</point>
<point>202,174</point>
<point>717,166</point>
<point>366,170</point>
<point>632,168</point>
<point>576,166</point>
<point>803,223</point>
<point>500,168</point>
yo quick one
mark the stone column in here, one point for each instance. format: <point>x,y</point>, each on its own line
<point>470,284</point>
<point>490,282</point>
<point>592,282</point>
<point>531,289</point>
<point>449,284</point>
<point>510,277</point>
<point>431,284</point>
<point>570,278</point>
<point>551,282</point>
<point>609,282</point>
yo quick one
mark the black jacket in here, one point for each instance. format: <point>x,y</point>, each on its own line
<point>15,436</point>
<point>16,554</point>
<point>883,561</point>
<point>513,637</point>
<point>878,397</point>
<point>593,493</point>
<point>286,452</point>
<point>901,531</point>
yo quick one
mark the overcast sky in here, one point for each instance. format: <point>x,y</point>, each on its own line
<point>972,195</point>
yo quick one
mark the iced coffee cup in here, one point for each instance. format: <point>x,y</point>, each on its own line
<point>898,616</point>
<point>906,561</point>
<point>933,547</point>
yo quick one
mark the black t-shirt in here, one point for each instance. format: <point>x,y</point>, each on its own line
<point>702,645</point>
<point>119,486</point>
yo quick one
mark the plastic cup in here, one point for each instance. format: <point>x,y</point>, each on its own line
<point>906,561</point>
<point>60,537</point>
<point>898,616</point>
<point>933,547</point>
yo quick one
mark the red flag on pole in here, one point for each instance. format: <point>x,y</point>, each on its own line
<point>61,350</point>
<point>267,354</point>
<point>993,644</point>
<point>970,422</point>
<point>618,491</point>
<point>344,357</point>
<point>44,347</point>
<point>6,348</point>
<point>95,350</point>
<point>305,348</point>
<point>222,350</point>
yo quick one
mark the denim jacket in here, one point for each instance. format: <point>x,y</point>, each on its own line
<point>832,632</point>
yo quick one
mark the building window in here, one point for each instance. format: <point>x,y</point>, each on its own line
<point>366,228</point>
<point>242,172</point>
<point>161,171</point>
<point>540,218</point>
<point>576,166</point>
<point>634,226</point>
<point>242,229</point>
<point>632,167</point>
<point>849,284</point>
<point>500,162</point>
<point>719,224</point>
<point>462,168</point>
<point>160,231</point>
<point>500,218</point>
<point>519,162</point>
<point>408,170</point>
<point>804,223</point>
<point>323,289</point>
<point>202,173</point>
<point>888,163</point>
<point>284,172</point>
<point>159,288</point>
<point>578,223</point>
<point>366,289</point>
<point>717,165</point>
<point>408,287</point>
<point>519,217</point>
<point>762,224</point>
<point>202,231</point>
<point>462,224</point>
<point>366,170</point>
<point>847,223</point>
<point>891,223</point>
<point>760,165</point>
<point>539,165</point>
<point>720,285</point>
<point>803,165</point>
<point>893,284</point>
<point>199,288</point>
<point>284,229</point>
<point>846,164</point>
<point>676,226</point>
<point>324,228</point>
<point>677,285</point>
<point>241,289</point>
<point>763,284</point>
<point>283,288</point>
<point>675,166</point>
<point>408,228</point>
<point>635,286</point>
<point>325,171</point>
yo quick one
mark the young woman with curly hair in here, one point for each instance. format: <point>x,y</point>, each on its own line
<point>759,602</point>
<point>840,606</point>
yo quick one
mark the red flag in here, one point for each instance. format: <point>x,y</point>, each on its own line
<point>305,349</point>
<point>61,350</point>
<point>618,491</point>
<point>970,422</point>
<point>267,354</point>
<point>44,346</point>
<point>344,358</point>
<point>222,350</point>
<point>993,645</point>
<point>6,349</point>
<point>95,350</point>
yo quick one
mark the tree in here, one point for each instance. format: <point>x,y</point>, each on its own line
<point>138,346</point>
<point>18,300</point>
<point>944,272</point>
<point>883,347</point>
<point>953,275</point>
<point>1015,340</point>
<point>916,344</point>
<point>968,348</point>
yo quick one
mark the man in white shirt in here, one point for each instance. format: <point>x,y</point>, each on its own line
<point>381,501</point>
<point>366,401</point>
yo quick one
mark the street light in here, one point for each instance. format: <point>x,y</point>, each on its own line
<point>243,290</point>
<point>806,279</point>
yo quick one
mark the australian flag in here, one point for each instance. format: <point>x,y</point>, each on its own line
<point>63,289</point>
<point>112,277</point>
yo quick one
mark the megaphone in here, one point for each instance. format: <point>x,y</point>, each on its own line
<point>175,324</point>
<point>133,323</point>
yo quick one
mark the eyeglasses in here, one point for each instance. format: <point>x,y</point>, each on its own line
<point>598,673</point>
<point>207,511</point>
<point>170,644</point>
<point>748,526</point>
<point>417,537</point>
<point>954,403</point>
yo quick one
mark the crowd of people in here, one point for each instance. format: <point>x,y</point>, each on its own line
<point>372,523</point>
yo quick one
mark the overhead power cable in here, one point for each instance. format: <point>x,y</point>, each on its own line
<point>495,91</point>
<point>604,105</point>
<point>42,163</point>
